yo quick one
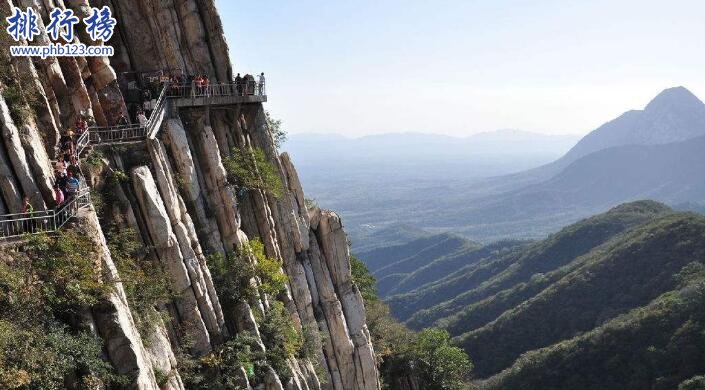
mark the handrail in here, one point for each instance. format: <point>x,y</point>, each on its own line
<point>82,142</point>
<point>156,112</point>
<point>44,221</point>
<point>249,88</point>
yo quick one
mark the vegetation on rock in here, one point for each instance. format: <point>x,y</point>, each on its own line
<point>42,291</point>
<point>426,357</point>
<point>279,135</point>
<point>250,169</point>
<point>143,278</point>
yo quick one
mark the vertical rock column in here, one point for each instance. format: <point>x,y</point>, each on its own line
<point>169,253</point>
<point>114,321</point>
<point>102,79</point>
<point>185,232</point>
<point>17,158</point>
<point>186,170</point>
<point>333,241</point>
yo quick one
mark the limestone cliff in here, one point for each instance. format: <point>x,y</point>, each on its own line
<point>177,197</point>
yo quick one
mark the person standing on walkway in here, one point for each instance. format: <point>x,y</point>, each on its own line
<point>238,84</point>
<point>206,85</point>
<point>141,118</point>
<point>58,196</point>
<point>28,225</point>
<point>72,185</point>
<point>27,205</point>
<point>261,84</point>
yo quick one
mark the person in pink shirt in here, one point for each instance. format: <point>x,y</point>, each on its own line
<point>58,196</point>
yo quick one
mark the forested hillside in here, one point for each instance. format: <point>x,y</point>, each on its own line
<point>500,270</point>
<point>621,285</point>
<point>625,274</point>
<point>658,345</point>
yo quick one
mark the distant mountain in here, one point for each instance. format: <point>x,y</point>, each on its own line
<point>672,173</point>
<point>374,181</point>
<point>407,267</point>
<point>664,161</point>
<point>673,115</point>
<point>369,237</point>
<point>649,153</point>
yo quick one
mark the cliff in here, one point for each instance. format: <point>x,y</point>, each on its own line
<point>174,192</point>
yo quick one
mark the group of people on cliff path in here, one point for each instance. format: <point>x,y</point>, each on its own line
<point>67,172</point>
<point>66,184</point>
<point>246,85</point>
<point>185,85</point>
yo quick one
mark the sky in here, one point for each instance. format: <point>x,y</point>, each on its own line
<point>461,67</point>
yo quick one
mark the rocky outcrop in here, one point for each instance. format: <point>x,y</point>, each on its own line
<point>177,197</point>
<point>124,346</point>
<point>192,304</point>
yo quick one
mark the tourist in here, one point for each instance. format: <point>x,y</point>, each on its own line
<point>122,120</point>
<point>58,196</point>
<point>141,118</point>
<point>62,181</point>
<point>81,125</point>
<point>66,141</point>
<point>261,84</point>
<point>27,206</point>
<point>28,225</point>
<point>72,185</point>
<point>146,100</point>
<point>206,84</point>
<point>238,84</point>
<point>60,168</point>
<point>199,84</point>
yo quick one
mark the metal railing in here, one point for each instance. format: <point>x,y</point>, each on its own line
<point>126,133</point>
<point>47,221</point>
<point>82,143</point>
<point>116,134</point>
<point>157,111</point>
<point>250,88</point>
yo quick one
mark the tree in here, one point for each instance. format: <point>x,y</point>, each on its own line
<point>364,280</point>
<point>275,127</point>
<point>441,365</point>
<point>250,169</point>
<point>427,357</point>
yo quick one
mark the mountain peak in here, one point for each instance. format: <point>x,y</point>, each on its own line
<point>676,96</point>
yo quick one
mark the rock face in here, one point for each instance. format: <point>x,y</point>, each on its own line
<point>177,197</point>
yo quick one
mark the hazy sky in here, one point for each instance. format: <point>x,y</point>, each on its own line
<point>460,67</point>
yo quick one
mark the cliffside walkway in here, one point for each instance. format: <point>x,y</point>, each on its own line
<point>222,94</point>
<point>47,221</point>
<point>19,224</point>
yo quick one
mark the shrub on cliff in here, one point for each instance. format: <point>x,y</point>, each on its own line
<point>145,281</point>
<point>279,135</point>
<point>280,337</point>
<point>427,358</point>
<point>232,274</point>
<point>221,368</point>
<point>251,170</point>
<point>42,291</point>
